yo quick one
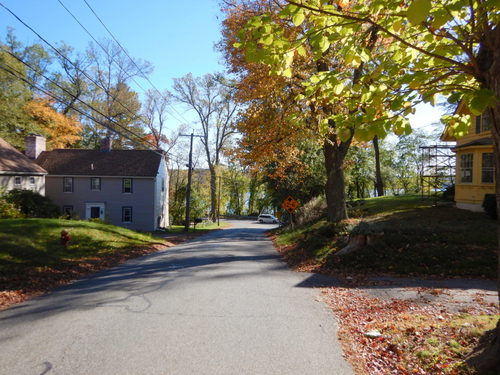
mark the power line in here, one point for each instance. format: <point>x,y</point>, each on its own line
<point>58,98</point>
<point>11,70</point>
<point>71,95</point>
<point>65,58</point>
<point>126,53</point>
<point>98,43</point>
<point>74,97</point>
<point>107,53</point>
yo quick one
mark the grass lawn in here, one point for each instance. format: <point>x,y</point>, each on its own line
<point>417,239</point>
<point>32,259</point>
<point>200,228</point>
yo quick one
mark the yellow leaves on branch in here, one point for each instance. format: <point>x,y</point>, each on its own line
<point>61,131</point>
<point>343,3</point>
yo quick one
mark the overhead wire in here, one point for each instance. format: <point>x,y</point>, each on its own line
<point>131,59</point>
<point>55,97</point>
<point>66,58</point>
<point>19,75</point>
<point>98,43</point>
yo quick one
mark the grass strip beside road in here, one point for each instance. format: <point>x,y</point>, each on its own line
<point>33,260</point>
<point>204,227</point>
<point>417,240</point>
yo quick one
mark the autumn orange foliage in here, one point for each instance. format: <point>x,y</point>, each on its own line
<point>269,133</point>
<point>61,131</point>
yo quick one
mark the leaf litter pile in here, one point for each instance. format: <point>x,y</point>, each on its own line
<point>404,337</point>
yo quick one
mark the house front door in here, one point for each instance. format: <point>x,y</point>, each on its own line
<point>94,211</point>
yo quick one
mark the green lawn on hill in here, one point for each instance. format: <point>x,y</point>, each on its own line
<point>418,239</point>
<point>33,260</point>
<point>36,242</point>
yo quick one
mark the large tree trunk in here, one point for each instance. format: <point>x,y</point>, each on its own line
<point>379,183</point>
<point>335,153</point>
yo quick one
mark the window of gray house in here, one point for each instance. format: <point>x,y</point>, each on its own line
<point>127,185</point>
<point>67,211</point>
<point>95,183</point>
<point>487,168</point>
<point>68,184</point>
<point>18,180</point>
<point>126,214</point>
<point>466,161</point>
<point>32,181</point>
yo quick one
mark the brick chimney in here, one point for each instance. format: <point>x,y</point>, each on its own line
<point>106,144</point>
<point>35,144</point>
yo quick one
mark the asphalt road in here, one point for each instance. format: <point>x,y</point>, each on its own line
<point>222,304</point>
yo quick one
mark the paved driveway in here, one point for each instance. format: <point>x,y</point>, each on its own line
<point>221,304</point>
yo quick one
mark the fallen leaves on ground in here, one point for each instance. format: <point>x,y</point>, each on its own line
<point>415,338</point>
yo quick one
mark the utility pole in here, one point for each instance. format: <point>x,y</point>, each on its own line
<point>190,169</point>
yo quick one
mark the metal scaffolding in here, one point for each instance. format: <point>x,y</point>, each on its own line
<point>438,169</point>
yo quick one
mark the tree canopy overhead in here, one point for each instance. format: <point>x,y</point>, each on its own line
<point>425,46</point>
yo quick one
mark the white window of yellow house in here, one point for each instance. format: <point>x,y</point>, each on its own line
<point>487,168</point>
<point>483,122</point>
<point>466,161</point>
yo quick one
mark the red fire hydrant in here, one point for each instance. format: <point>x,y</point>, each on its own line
<point>65,238</point>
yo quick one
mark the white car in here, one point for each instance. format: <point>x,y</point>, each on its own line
<point>266,218</point>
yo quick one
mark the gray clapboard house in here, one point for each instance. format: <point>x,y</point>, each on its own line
<point>19,171</point>
<point>128,188</point>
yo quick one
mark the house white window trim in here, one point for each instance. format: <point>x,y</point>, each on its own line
<point>95,187</point>
<point>68,188</point>
<point>18,181</point>
<point>466,172</point>
<point>130,189</point>
<point>127,214</point>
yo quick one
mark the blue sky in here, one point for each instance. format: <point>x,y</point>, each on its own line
<point>177,37</point>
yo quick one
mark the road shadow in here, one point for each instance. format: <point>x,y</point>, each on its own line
<point>390,282</point>
<point>130,283</point>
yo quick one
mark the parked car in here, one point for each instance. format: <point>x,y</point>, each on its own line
<point>269,219</point>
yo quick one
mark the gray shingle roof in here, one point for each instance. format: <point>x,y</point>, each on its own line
<point>140,163</point>
<point>14,161</point>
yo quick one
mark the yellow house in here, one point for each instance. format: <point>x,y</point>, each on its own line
<point>475,166</point>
